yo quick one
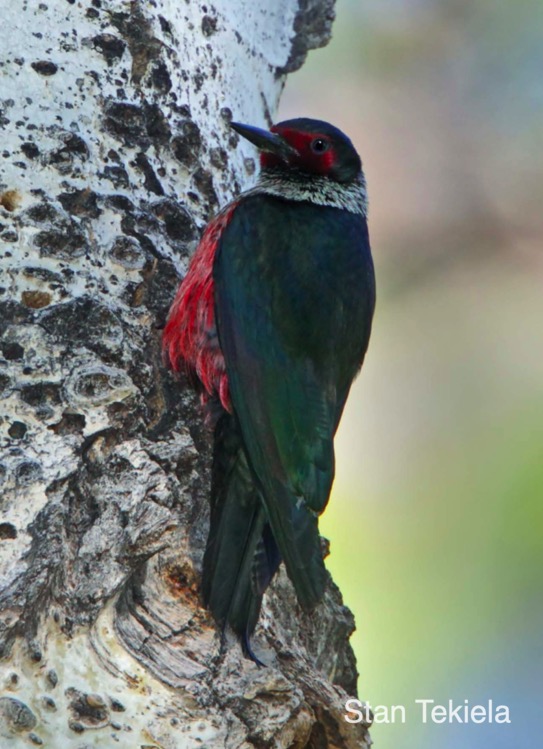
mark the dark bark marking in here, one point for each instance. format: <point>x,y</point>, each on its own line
<point>87,710</point>
<point>150,181</point>
<point>36,299</point>
<point>209,25</point>
<point>12,351</point>
<point>204,182</point>
<point>17,430</point>
<point>187,143</point>
<point>88,322</point>
<point>7,532</point>
<point>44,67</point>
<point>18,716</point>
<point>137,30</point>
<point>65,241</point>
<point>82,203</point>
<point>110,46</point>
<point>69,424</point>
<point>177,221</point>
<point>30,150</point>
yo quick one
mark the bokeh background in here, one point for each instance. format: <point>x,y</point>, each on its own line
<point>436,518</point>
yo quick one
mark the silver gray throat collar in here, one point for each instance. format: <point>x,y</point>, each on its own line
<point>350,197</point>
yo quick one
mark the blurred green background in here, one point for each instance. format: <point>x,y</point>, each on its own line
<point>436,518</point>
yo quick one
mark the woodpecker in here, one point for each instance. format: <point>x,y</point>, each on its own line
<point>272,322</point>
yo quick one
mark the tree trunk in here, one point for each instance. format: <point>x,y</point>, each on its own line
<point>116,150</point>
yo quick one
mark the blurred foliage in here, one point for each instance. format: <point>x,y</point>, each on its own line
<point>436,518</point>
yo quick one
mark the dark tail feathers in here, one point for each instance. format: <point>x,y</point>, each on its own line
<point>241,557</point>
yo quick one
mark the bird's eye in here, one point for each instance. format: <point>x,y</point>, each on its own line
<point>319,145</point>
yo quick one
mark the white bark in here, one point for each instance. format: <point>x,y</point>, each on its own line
<point>116,150</point>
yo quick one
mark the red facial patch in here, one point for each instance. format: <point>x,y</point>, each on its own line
<point>190,336</point>
<point>308,160</point>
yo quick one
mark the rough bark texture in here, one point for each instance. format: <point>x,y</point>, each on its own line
<point>115,151</point>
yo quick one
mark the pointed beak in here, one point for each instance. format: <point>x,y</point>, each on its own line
<point>265,141</point>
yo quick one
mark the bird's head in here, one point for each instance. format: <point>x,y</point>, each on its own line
<point>309,146</point>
